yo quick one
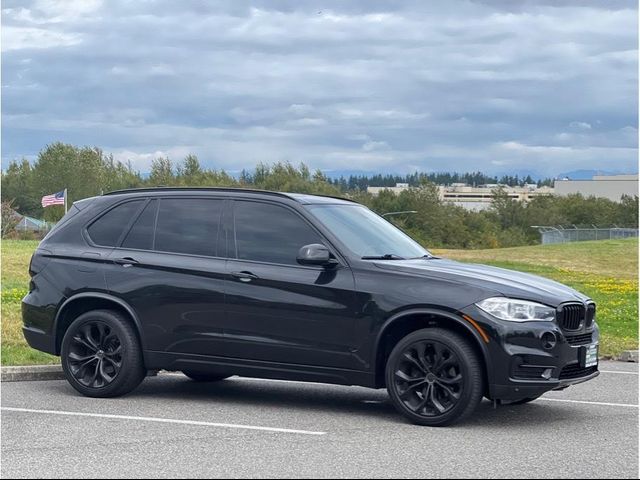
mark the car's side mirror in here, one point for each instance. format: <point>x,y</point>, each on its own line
<point>316,254</point>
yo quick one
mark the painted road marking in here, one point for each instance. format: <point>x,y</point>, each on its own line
<point>162,420</point>
<point>619,371</point>
<point>589,403</point>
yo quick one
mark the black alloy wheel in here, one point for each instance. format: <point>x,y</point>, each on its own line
<point>434,377</point>
<point>95,355</point>
<point>101,355</point>
<point>428,378</point>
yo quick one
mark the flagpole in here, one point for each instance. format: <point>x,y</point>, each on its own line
<point>65,201</point>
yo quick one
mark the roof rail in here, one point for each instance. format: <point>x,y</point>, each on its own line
<point>220,189</point>
<point>190,189</point>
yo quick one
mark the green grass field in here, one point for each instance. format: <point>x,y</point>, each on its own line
<point>15,280</point>
<point>605,270</point>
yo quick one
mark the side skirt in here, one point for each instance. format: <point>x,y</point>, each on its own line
<point>256,369</point>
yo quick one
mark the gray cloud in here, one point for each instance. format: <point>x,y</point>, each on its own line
<point>393,86</point>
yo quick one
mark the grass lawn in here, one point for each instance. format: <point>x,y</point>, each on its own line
<point>15,280</point>
<point>605,270</point>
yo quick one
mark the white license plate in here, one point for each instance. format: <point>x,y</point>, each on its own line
<point>591,356</point>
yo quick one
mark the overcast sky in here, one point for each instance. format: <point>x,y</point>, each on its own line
<point>499,86</point>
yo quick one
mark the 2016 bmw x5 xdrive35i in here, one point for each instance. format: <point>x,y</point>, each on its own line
<point>221,282</point>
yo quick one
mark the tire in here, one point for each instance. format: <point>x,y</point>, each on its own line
<point>434,377</point>
<point>204,377</point>
<point>101,355</point>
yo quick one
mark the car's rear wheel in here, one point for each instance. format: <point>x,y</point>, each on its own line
<point>434,377</point>
<point>204,377</point>
<point>101,355</point>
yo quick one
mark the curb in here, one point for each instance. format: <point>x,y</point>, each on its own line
<point>628,356</point>
<point>31,373</point>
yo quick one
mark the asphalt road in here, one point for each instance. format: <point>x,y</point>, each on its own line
<point>172,427</point>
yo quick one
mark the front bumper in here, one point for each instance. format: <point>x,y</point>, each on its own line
<point>523,363</point>
<point>518,390</point>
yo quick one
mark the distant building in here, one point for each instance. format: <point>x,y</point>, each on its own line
<point>29,223</point>
<point>480,198</point>
<point>612,187</point>
<point>474,198</point>
<point>400,187</point>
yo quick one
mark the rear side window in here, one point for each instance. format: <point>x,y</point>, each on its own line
<point>141,234</point>
<point>188,225</point>
<point>108,229</point>
<point>270,233</point>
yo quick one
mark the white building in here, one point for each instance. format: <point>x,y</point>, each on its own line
<point>612,187</point>
<point>474,198</point>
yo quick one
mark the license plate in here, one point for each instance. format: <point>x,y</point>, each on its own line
<point>591,356</point>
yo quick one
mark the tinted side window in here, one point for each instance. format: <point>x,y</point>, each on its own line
<point>141,234</point>
<point>270,233</point>
<point>107,229</point>
<point>188,225</point>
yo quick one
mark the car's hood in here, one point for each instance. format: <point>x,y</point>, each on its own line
<point>506,282</point>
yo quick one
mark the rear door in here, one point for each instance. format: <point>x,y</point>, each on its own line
<point>278,310</point>
<point>170,268</point>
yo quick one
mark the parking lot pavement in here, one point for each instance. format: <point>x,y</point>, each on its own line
<point>172,427</point>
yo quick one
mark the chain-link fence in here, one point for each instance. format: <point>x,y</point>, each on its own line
<point>577,234</point>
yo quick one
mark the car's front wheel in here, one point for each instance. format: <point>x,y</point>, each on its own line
<point>101,355</point>
<point>434,377</point>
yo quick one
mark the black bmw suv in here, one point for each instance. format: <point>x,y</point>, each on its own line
<point>217,282</point>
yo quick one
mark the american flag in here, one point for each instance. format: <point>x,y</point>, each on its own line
<point>54,199</point>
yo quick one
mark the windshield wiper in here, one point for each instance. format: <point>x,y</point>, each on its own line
<point>426,257</point>
<point>386,256</point>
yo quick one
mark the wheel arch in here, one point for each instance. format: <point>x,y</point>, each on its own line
<point>403,323</point>
<point>84,302</point>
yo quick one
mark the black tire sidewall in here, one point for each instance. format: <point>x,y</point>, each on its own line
<point>469,366</point>
<point>132,371</point>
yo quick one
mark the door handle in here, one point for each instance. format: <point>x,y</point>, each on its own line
<point>126,261</point>
<point>244,276</point>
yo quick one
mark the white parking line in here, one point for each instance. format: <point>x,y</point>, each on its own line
<point>589,403</point>
<point>619,371</point>
<point>162,420</point>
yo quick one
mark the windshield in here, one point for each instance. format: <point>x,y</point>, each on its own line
<point>365,233</point>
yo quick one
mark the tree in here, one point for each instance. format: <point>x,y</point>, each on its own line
<point>628,212</point>
<point>190,172</point>
<point>17,187</point>
<point>60,166</point>
<point>9,218</point>
<point>161,172</point>
<point>508,210</point>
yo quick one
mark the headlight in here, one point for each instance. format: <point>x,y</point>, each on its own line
<point>517,310</point>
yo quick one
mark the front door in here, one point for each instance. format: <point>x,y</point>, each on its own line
<point>278,310</point>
